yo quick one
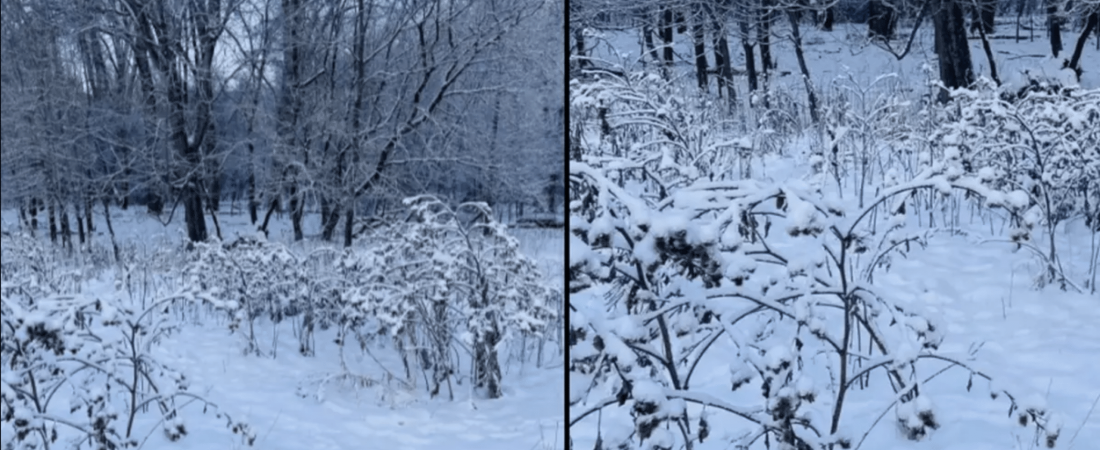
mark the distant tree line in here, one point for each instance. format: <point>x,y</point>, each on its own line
<point>719,24</point>
<point>290,106</point>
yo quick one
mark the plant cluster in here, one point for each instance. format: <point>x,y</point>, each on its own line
<point>674,270</point>
<point>441,283</point>
<point>93,351</point>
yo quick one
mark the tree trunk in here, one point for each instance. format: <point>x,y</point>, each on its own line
<point>796,36</point>
<point>290,106</point>
<point>578,36</point>
<point>1054,26</point>
<point>34,214</point>
<point>330,217</point>
<point>722,61</point>
<point>88,203</point>
<point>764,36</point>
<point>830,19</point>
<point>750,58</point>
<point>647,41</point>
<point>214,219</point>
<point>349,224</point>
<point>267,217</point>
<point>79,223</point>
<point>1091,23</point>
<point>983,17</point>
<point>66,232</point>
<point>665,30</point>
<point>53,221</point>
<point>253,201</point>
<point>110,228</point>
<point>486,360</point>
<point>956,68</point>
<point>882,20</point>
<point>989,55</point>
<point>194,215</point>
<point>698,36</point>
<point>296,206</point>
<point>214,192</point>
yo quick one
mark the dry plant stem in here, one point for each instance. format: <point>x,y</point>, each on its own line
<point>1083,422</point>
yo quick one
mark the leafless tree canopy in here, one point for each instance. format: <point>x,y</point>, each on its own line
<point>336,107</point>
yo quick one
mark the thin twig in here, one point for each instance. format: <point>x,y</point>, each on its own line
<point>1083,422</point>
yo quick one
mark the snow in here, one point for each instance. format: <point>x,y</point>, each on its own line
<point>777,356</point>
<point>294,402</point>
<point>975,301</point>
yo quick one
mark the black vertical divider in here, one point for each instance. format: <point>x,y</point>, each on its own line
<point>565,205</point>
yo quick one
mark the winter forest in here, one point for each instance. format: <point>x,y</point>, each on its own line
<point>833,224</point>
<point>549,224</point>
<point>290,224</point>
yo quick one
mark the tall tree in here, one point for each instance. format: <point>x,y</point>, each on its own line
<point>1054,26</point>
<point>956,67</point>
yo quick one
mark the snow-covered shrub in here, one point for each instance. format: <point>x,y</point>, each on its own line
<point>462,260</point>
<point>1043,147</point>
<point>663,268</point>
<point>867,131</point>
<point>78,370</point>
<point>641,118</point>
<point>439,281</point>
<point>397,287</point>
<point>258,278</point>
<point>37,268</point>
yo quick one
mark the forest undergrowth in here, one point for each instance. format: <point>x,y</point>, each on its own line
<point>703,232</point>
<point>441,301</point>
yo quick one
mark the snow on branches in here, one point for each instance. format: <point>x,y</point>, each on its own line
<point>443,280</point>
<point>774,273</point>
<point>1042,147</point>
<point>97,349</point>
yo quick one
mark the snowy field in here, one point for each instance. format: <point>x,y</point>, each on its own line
<point>1040,343</point>
<point>1044,342</point>
<point>294,402</point>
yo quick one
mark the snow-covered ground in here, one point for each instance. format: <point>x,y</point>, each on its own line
<point>288,408</point>
<point>1041,343</point>
<point>287,399</point>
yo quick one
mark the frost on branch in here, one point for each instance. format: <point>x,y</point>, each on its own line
<point>675,264</point>
<point>1041,148</point>
<point>94,348</point>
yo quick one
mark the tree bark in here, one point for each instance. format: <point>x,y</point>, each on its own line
<point>984,16</point>
<point>1091,23</point>
<point>349,224</point>
<point>111,228</point>
<point>66,232</point>
<point>34,214</point>
<point>79,223</point>
<point>647,42</point>
<point>989,55</point>
<point>290,107</point>
<point>722,63</point>
<point>882,20</point>
<point>698,36</point>
<point>763,37</point>
<point>796,36</point>
<point>1054,27</point>
<point>750,58</point>
<point>578,36</point>
<point>956,68</point>
<point>253,200</point>
<point>665,30</point>
<point>52,212</point>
